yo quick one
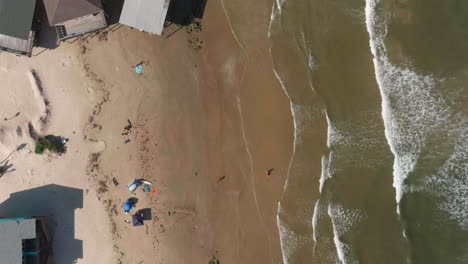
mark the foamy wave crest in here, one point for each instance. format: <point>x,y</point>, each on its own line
<point>325,172</point>
<point>343,220</point>
<point>451,181</point>
<point>410,108</point>
<point>320,210</point>
<point>290,241</point>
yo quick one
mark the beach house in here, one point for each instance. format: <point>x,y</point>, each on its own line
<point>145,15</point>
<point>24,241</point>
<point>72,18</point>
<point>16,23</point>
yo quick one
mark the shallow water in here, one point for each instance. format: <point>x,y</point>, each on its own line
<point>378,94</point>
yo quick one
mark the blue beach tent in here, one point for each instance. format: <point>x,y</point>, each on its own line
<point>133,185</point>
<point>128,205</point>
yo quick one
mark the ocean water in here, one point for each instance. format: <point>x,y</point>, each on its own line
<point>379,97</point>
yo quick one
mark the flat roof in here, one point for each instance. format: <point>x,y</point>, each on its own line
<point>146,15</point>
<point>12,232</point>
<point>16,17</point>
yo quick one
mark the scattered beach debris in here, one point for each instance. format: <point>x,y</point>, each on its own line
<point>111,208</point>
<point>194,42</point>
<point>102,36</point>
<point>10,118</point>
<point>97,86</point>
<point>81,43</point>
<point>269,172</point>
<point>195,27</point>
<point>114,180</point>
<point>93,165</point>
<point>102,187</point>
<point>220,179</point>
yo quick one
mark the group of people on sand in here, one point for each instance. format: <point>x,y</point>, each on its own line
<point>126,132</point>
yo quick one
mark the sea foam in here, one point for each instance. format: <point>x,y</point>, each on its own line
<point>409,107</point>
<point>344,220</point>
<point>414,111</point>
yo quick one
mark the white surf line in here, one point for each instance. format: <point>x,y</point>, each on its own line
<point>282,242</point>
<point>377,47</point>
<point>338,244</point>
<point>231,28</point>
<point>252,177</point>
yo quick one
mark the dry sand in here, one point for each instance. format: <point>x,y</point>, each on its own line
<point>207,124</point>
<point>52,96</point>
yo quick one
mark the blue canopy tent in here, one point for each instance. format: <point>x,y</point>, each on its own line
<point>128,205</point>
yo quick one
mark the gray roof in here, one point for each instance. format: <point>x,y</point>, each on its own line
<point>59,11</point>
<point>16,17</point>
<point>12,232</point>
<point>146,15</point>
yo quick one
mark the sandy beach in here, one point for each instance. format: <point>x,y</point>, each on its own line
<point>203,126</point>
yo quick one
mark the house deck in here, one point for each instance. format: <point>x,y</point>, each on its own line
<point>17,45</point>
<point>82,25</point>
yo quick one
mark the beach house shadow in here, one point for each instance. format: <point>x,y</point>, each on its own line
<point>57,204</point>
<point>184,12</point>
<point>112,9</point>
<point>47,36</point>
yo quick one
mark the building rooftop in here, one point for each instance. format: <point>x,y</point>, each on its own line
<point>16,18</point>
<point>59,11</point>
<point>146,15</point>
<point>12,233</point>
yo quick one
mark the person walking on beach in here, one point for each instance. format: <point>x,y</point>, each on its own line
<point>269,172</point>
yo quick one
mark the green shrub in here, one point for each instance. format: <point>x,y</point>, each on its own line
<point>52,143</point>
